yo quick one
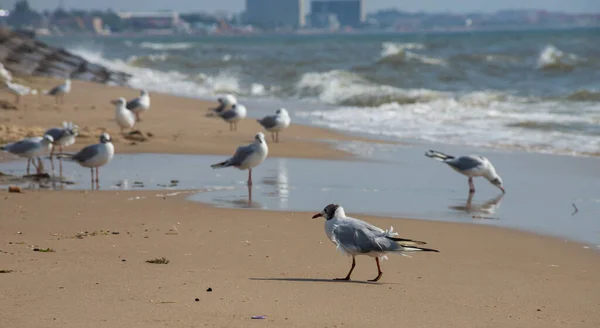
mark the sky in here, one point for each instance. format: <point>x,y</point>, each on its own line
<point>583,6</point>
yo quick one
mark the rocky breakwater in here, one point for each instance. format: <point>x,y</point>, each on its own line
<point>23,55</point>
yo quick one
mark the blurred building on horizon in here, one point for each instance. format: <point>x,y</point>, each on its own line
<point>271,14</point>
<point>344,13</point>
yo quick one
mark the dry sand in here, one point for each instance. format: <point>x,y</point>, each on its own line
<point>273,264</point>
<point>257,262</point>
<point>178,125</point>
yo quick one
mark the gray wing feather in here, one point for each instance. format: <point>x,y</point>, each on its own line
<point>57,133</point>
<point>362,237</point>
<point>20,147</point>
<point>54,91</point>
<point>133,104</point>
<point>268,122</point>
<point>465,163</point>
<point>241,154</point>
<point>228,114</point>
<point>86,153</point>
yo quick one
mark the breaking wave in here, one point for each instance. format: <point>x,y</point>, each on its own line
<point>552,58</point>
<point>166,46</point>
<point>399,53</point>
<point>339,87</point>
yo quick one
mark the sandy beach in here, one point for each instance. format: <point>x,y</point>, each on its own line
<point>256,263</point>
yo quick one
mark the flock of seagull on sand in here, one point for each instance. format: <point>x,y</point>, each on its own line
<point>352,236</point>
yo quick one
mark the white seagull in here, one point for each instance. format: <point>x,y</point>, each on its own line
<point>355,237</point>
<point>94,156</point>
<point>247,157</point>
<point>139,104</point>
<point>276,123</point>
<point>124,117</point>
<point>63,137</point>
<point>224,103</point>
<point>234,115</point>
<point>18,90</point>
<point>30,148</point>
<point>60,91</point>
<point>471,166</point>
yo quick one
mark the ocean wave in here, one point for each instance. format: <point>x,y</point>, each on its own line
<point>345,88</point>
<point>143,60</point>
<point>399,53</point>
<point>481,119</point>
<point>166,46</point>
<point>584,95</point>
<point>552,58</point>
<point>173,82</point>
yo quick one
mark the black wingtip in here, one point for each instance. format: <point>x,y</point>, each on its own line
<point>418,242</point>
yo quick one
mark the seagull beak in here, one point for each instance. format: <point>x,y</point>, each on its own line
<point>503,191</point>
<point>318,215</point>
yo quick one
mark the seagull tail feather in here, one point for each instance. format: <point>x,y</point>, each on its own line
<point>407,242</point>
<point>438,155</point>
<point>220,165</point>
<point>419,249</point>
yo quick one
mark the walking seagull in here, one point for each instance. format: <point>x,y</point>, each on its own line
<point>471,166</point>
<point>355,237</point>
<point>30,148</point>
<point>139,104</point>
<point>234,115</point>
<point>63,137</point>
<point>94,156</point>
<point>276,123</point>
<point>247,157</point>
<point>124,117</point>
<point>60,91</point>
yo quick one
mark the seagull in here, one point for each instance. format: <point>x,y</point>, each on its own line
<point>355,237</point>
<point>471,166</point>
<point>124,117</point>
<point>247,157</point>
<point>224,103</point>
<point>94,156</point>
<point>234,115</point>
<point>276,123</point>
<point>18,90</point>
<point>63,137</point>
<point>60,91</point>
<point>139,104</point>
<point>30,148</point>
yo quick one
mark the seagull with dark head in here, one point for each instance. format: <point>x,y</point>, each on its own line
<point>355,237</point>
<point>471,166</point>
<point>247,157</point>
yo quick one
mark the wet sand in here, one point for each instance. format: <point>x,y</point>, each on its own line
<point>277,264</point>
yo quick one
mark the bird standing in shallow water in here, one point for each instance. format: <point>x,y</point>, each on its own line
<point>94,156</point>
<point>30,148</point>
<point>276,123</point>
<point>247,157</point>
<point>63,137</point>
<point>471,166</point>
<point>355,237</point>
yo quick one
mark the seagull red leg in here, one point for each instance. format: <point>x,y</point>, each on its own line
<point>349,273</point>
<point>471,185</point>
<point>379,272</point>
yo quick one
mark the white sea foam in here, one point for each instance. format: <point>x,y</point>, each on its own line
<point>166,46</point>
<point>553,58</point>
<point>485,119</point>
<point>399,52</point>
<point>346,88</point>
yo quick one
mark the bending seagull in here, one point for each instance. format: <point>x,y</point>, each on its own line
<point>94,156</point>
<point>276,123</point>
<point>355,237</point>
<point>124,118</point>
<point>247,157</point>
<point>63,137</point>
<point>30,148</point>
<point>59,91</point>
<point>234,115</point>
<point>224,103</point>
<point>471,166</point>
<point>139,104</point>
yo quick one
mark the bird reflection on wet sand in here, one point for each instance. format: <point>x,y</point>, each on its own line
<point>487,208</point>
